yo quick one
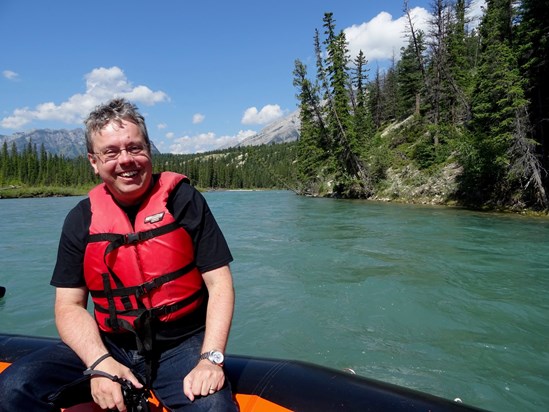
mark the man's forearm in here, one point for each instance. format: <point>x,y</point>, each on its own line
<point>220,310</point>
<point>78,329</point>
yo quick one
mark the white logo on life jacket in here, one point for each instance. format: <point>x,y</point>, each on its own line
<point>157,217</point>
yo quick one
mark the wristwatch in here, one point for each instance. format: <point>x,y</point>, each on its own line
<point>214,356</point>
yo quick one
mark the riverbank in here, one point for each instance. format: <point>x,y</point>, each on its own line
<point>435,190</point>
<point>18,192</point>
<point>439,187</point>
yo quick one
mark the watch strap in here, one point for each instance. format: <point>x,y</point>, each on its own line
<point>210,356</point>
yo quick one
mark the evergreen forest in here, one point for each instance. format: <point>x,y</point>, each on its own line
<point>471,99</point>
<point>43,174</point>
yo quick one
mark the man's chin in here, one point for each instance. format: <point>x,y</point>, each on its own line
<point>129,194</point>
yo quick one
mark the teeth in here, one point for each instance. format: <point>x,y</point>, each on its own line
<point>128,174</point>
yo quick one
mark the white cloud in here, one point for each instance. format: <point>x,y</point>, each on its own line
<point>102,84</point>
<point>170,135</point>
<point>10,75</point>
<point>16,120</point>
<point>206,142</point>
<point>244,134</point>
<point>266,115</point>
<point>161,126</point>
<point>476,11</point>
<point>198,118</point>
<point>382,37</point>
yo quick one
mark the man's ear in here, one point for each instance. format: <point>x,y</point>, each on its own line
<point>93,161</point>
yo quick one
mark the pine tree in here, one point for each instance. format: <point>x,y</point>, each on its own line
<point>461,46</point>
<point>312,139</point>
<point>410,77</point>
<point>533,34</point>
<point>43,166</point>
<point>390,96</point>
<point>4,164</point>
<point>440,85</point>
<point>350,172</point>
<point>414,81</point>
<point>500,125</point>
<point>363,127</point>
<point>375,101</point>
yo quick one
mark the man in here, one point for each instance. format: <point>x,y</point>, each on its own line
<point>149,252</point>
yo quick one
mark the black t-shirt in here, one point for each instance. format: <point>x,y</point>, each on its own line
<point>188,207</point>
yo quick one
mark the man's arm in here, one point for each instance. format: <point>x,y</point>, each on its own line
<point>78,329</point>
<point>218,324</point>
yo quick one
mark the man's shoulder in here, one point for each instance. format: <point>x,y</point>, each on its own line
<point>79,215</point>
<point>184,192</point>
<point>82,207</point>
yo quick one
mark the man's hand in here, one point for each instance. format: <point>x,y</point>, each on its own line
<point>107,393</point>
<point>205,379</point>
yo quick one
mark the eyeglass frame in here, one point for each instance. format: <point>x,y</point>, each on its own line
<point>117,152</point>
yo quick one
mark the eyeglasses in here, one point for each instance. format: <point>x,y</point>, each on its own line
<point>113,153</point>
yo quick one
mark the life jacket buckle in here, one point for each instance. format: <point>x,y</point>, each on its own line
<point>143,289</point>
<point>140,291</point>
<point>132,237</point>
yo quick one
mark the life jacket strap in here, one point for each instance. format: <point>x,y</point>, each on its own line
<point>145,288</point>
<point>118,239</point>
<point>157,311</point>
<point>110,300</point>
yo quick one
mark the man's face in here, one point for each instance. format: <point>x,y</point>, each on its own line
<point>128,177</point>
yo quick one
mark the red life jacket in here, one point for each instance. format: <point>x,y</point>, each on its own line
<point>142,273</point>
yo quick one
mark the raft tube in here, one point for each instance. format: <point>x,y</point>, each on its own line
<point>273,385</point>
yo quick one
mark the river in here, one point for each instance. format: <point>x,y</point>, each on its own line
<point>442,300</point>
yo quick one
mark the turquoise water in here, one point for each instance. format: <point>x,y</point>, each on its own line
<point>442,300</point>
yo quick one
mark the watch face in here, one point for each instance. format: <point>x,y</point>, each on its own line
<point>217,357</point>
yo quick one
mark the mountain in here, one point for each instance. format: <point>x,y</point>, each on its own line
<point>283,130</point>
<point>71,143</point>
<point>68,143</point>
<point>63,142</point>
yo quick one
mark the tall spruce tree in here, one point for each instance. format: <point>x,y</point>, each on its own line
<point>461,46</point>
<point>390,96</point>
<point>336,94</point>
<point>4,164</point>
<point>500,124</point>
<point>497,77</point>
<point>363,127</point>
<point>326,110</point>
<point>375,101</point>
<point>410,76</point>
<point>310,147</point>
<point>441,85</point>
<point>533,34</point>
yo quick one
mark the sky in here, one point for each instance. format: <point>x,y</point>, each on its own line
<point>205,74</point>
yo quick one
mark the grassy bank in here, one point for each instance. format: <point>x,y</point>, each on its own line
<point>15,192</point>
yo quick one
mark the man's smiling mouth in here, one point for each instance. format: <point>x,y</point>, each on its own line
<point>129,174</point>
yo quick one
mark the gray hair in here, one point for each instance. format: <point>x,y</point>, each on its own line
<point>116,110</point>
